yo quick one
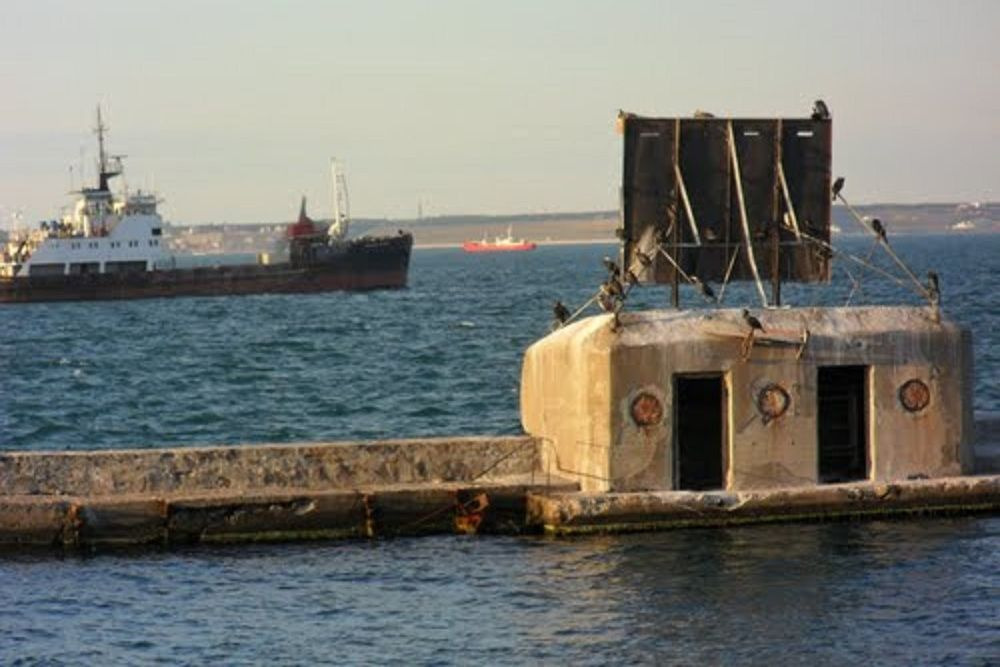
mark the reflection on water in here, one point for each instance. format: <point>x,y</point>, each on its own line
<point>901,592</point>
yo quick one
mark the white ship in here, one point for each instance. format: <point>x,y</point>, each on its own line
<point>103,233</point>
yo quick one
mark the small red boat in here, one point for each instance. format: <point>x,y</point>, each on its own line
<point>499,244</point>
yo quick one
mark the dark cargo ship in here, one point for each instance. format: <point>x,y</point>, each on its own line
<point>112,247</point>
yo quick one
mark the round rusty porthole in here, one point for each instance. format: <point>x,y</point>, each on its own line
<point>914,395</point>
<point>773,401</point>
<point>646,409</point>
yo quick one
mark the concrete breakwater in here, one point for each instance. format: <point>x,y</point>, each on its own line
<point>158,497</point>
<point>280,492</point>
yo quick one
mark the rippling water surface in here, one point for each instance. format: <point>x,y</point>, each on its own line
<point>443,358</point>
<point>908,592</point>
<point>440,358</point>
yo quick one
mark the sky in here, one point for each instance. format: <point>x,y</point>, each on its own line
<point>232,110</point>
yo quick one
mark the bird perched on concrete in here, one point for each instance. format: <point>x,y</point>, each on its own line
<point>610,266</point>
<point>561,312</point>
<point>613,287</point>
<point>609,296</point>
<point>880,230</point>
<point>933,286</point>
<point>752,321</point>
<point>820,110</point>
<point>631,278</point>
<point>838,185</point>
<point>643,258</point>
<point>705,289</point>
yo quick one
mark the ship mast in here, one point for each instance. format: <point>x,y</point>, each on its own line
<point>108,166</point>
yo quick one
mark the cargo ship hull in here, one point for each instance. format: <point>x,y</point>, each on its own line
<point>362,264</point>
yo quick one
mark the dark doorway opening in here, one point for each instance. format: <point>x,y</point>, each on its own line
<point>843,424</point>
<point>700,414</point>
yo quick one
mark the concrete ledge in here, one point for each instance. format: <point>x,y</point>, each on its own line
<point>35,522</point>
<point>101,522</point>
<point>114,499</point>
<point>262,517</point>
<point>331,465</point>
<point>569,513</point>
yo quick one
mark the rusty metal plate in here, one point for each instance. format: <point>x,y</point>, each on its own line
<point>914,395</point>
<point>646,410</point>
<point>772,402</point>
<point>666,158</point>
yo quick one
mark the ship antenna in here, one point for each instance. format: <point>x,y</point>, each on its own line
<point>102,157</point>
<point>105,170</point>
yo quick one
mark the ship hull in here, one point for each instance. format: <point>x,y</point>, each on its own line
<point>365,264</point>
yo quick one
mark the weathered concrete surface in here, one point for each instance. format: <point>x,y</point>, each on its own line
<point>338,465</point>
<point>588,512</point>
<point>252,494</point>
<point>497,506</point>
<point>579,384</point>
<point>266,493</point>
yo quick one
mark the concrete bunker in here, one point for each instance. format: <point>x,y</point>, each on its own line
<point>678,400</point>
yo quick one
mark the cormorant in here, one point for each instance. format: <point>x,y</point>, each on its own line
<point>613,287</point>
<point>561,312</point>
<point>935,289</point>
<point>752,321</point>
<point>838,185</point>
<point>610,266</point>
<point>820,110</point>
<point>704,288</point>
<point>880,230</point>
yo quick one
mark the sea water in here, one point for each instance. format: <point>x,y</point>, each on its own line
<point>443,358</point>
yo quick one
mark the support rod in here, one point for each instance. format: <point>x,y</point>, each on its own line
<point>916,281</point>
<point>687,203</point>
<point>788,203</point>
<point>735,162</point>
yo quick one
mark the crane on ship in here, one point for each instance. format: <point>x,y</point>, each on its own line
<point>341,204</point>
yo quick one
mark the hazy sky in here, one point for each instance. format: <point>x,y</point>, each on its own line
<point>233,109</point>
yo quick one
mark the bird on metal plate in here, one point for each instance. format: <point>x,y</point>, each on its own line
<point>705,289</point>
<point>838,185</point>
<point>820,110</point>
